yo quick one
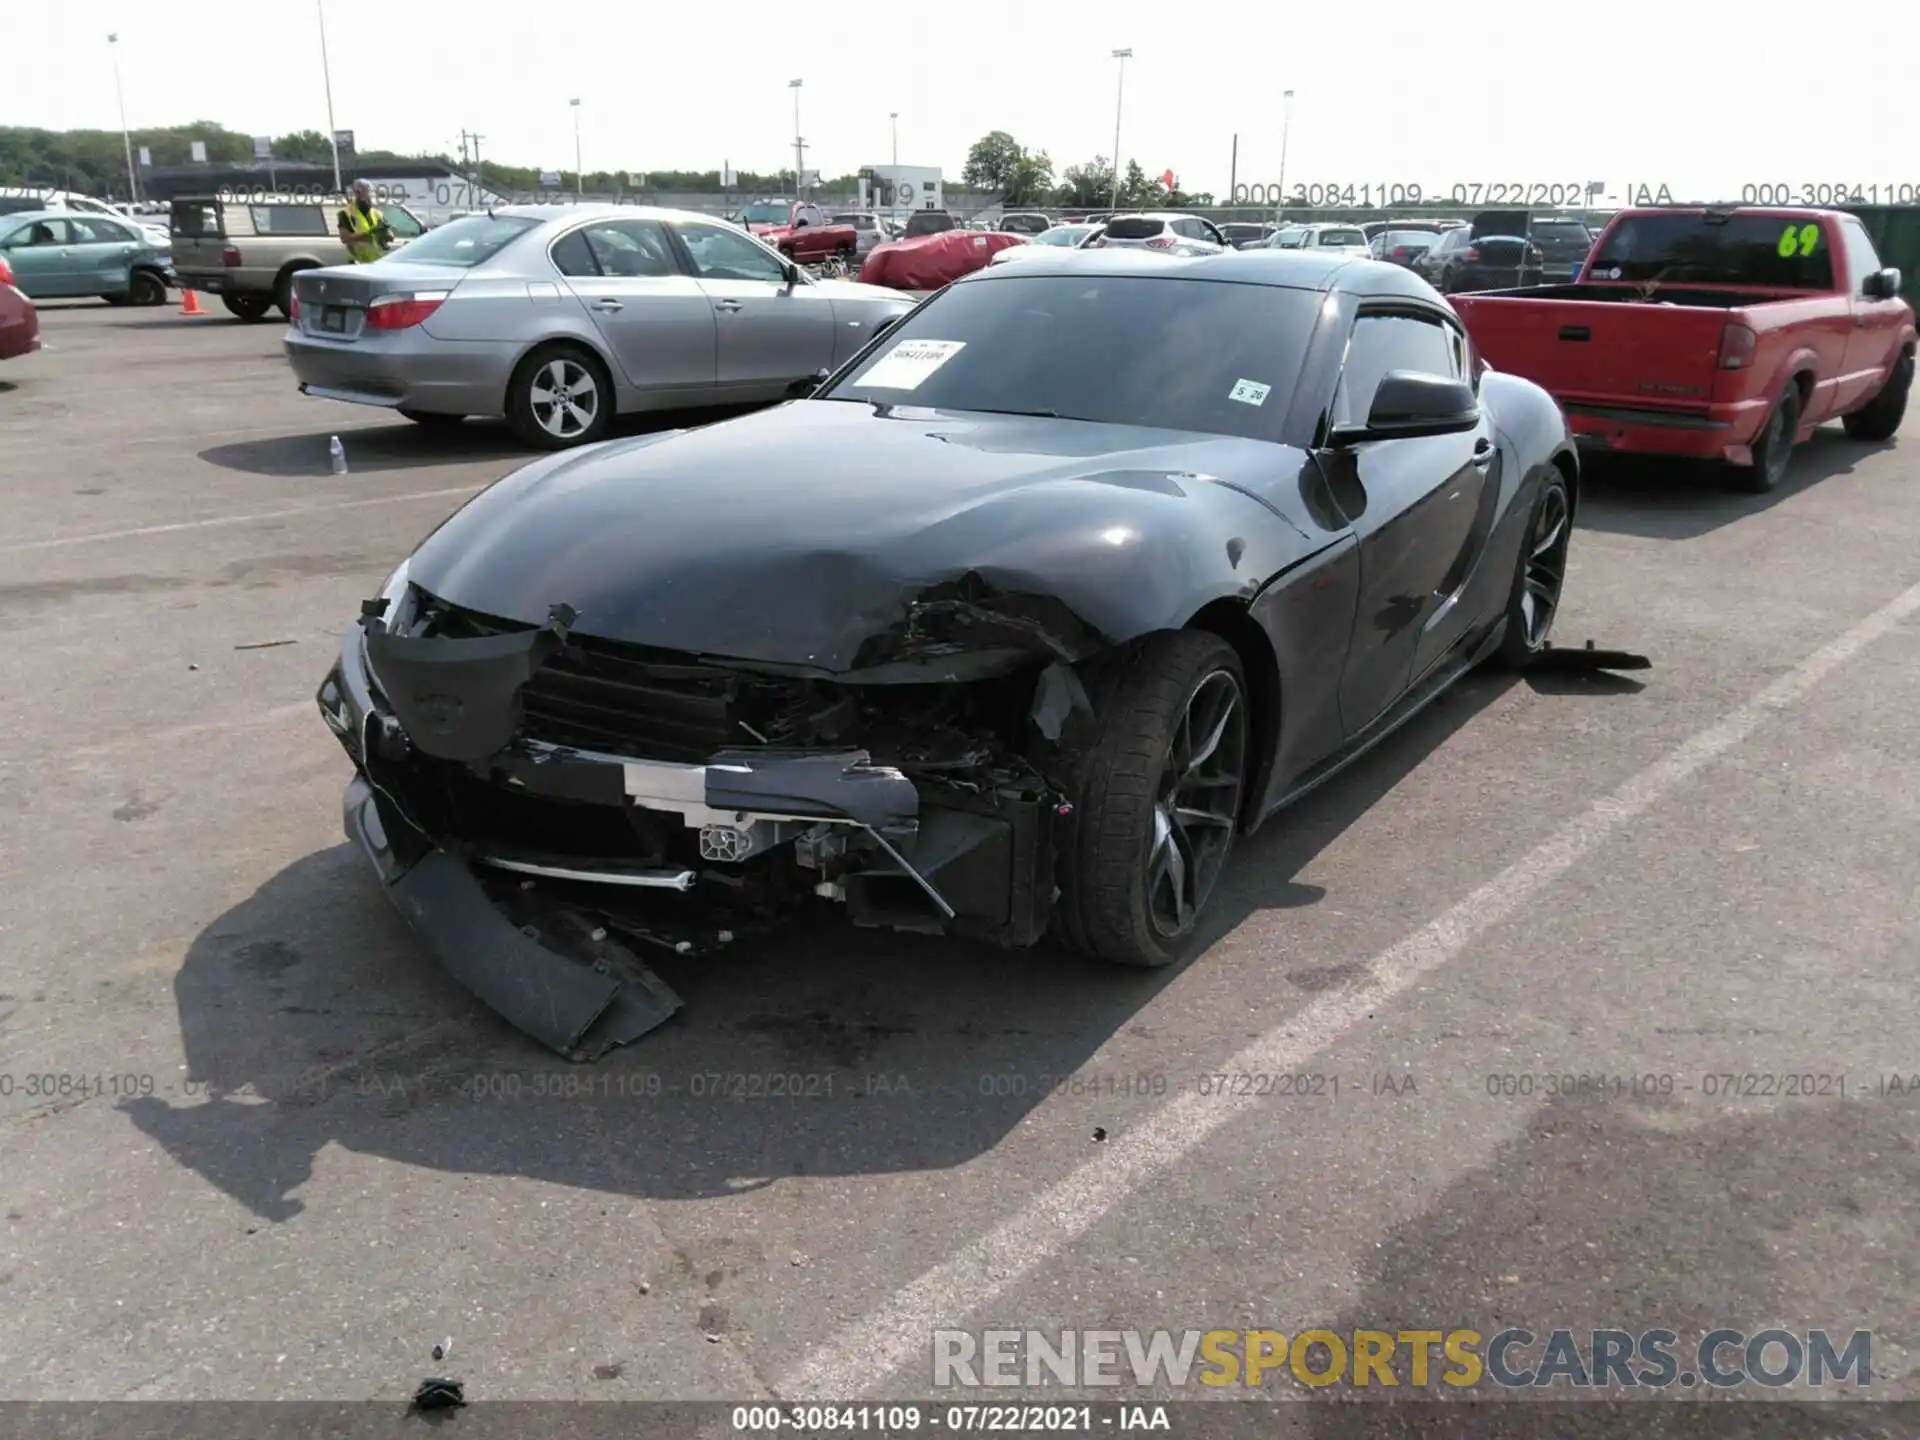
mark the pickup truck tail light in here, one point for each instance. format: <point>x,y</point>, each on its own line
<point>230,257</point>
<point>1737,345</point>
<point>402,312</point>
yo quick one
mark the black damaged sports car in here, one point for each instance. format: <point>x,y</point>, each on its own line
<point>1082,569</point>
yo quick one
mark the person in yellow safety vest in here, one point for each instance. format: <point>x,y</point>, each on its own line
<point>363,230</point>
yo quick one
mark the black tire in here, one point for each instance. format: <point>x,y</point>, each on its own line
<point>525,409</point>
<point>1113,902</point>
<point>250,308</point>
<point>1879,419</point>
<point>1539,573</point>
<point>120,299</point>
<point>1773,452</point>
<point>431,418</point>
<point>147,288</point>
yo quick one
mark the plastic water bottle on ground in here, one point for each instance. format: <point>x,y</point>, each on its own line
<point>339,454</point>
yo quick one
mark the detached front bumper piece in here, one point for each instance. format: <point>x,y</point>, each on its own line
<point>545,969</point>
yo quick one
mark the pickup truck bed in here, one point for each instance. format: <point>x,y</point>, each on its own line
<point>1644,362</point>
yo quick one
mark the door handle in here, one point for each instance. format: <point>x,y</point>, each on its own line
<point>608,305</point>
<point>726,305</point>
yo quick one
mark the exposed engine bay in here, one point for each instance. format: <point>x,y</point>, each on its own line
<point>600,797</point>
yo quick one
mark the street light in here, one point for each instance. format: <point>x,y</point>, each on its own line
<point>579,179</point>
<point>126,136</point>
<point>1120,95</point>
<point>326,71</point>
<point>895,118</point>
<point>799,145</point>
<point>1286,124</point>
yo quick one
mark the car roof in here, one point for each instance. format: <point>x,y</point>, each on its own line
<point>1282,269</point>
<point>549,213</point>
<point>17,215</point>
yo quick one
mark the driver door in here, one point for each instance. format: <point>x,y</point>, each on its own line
<point>40,254</point>
<point>1418,507</point>
<point>770,332</point>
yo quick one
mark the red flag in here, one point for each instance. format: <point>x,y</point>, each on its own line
<point>1167,179</point>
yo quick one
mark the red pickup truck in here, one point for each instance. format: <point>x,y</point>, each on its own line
<point>1721,334</point>
<point>801,232</point>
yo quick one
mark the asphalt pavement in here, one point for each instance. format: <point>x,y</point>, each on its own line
<point>258,1147</point>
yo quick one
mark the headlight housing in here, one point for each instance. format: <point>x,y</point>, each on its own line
<point>397,596</point>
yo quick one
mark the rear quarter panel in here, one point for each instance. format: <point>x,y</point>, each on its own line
<point>1798,341</point>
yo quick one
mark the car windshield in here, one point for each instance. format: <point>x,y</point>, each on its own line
<point>1342,237</point>
<point>1560,230</point>
<point>1287,239</point>
<point>1135,227</point>
<point>1422,238</point>
<point>1728,250</point>
<point>1063,235</point>
<point>1173,354</point>
<point>468,241</point>
<point>766,212</point>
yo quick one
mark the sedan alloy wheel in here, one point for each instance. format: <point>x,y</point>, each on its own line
<point>565,399</point>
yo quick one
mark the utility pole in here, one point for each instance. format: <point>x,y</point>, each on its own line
<point>1119,98</point>
<point>579,176</point>
<point>799,145</point>
<point>1286,124</point>
<point>326,72</point>
<point>895,118</point>
<point>133,184</point>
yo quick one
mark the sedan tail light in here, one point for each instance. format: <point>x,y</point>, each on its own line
<point>1400,252</point>
<point>1473,253</point>
<point>1737,345</point>
<point>402,312</point>
<point>230,257</point>
<point>293,308</point>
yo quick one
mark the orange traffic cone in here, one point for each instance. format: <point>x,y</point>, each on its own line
<point>190,303</point>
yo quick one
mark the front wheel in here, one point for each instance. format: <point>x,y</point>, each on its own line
<point>559,397</point>
<point>1157,797</point>
<point>1880,417</point>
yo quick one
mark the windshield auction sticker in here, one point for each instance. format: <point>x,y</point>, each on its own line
<point>908,364</point>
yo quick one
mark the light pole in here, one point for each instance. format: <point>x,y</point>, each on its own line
<point>126,136</point>
<point>579,178</point>
<point>895,118</point>
<point>326,72</point>
<point>799,145</point>
<point>1119,97</point>
<point>1286,124</point>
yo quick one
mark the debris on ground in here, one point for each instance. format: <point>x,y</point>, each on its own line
<point>266,645</point>
<point>1099,1134</point>
<point>436,1394</point>
<point>443,1349</point>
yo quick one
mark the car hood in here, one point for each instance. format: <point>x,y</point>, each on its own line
<point>808,535</point>
<point>854,290</point>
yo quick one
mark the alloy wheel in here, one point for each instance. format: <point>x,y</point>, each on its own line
<point>1546,566</point>
<point>1776,452</point>
<point>1198,803</point>
<point>565,399</point>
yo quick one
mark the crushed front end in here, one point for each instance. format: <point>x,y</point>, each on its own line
<point>544,805</point>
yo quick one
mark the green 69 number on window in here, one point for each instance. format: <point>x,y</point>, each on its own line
<point>1799,240</point>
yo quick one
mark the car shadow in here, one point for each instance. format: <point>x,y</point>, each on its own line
<point>310,1016</point>
<point>1654,498</point>
<point>407,446</point>
<point>1611,1211</point>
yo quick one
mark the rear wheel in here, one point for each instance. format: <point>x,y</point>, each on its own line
<point>1534,601</point>
<point>1880,417</point>
<point>248,307</point>
<point>1157,797</point>
<point>559,397</point>
<point>147,288</point>
<point>1774,450</point>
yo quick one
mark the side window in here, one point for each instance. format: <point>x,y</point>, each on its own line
<point>728,255</point>
<point>401,222</point>
<point>1189,229</point>
<point>1862,259</point>
<point>572,256</point>
<point>290,220</point>
<point>1384,343</point>
<point>50,232</point>
<point>89,231</point>
<point>631,249</point>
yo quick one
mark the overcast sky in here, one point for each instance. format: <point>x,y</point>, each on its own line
<point>1703,97</point>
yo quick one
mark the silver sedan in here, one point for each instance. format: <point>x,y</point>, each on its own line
<point>557,317</point>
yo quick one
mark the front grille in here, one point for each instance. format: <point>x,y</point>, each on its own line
<point>601,694</point>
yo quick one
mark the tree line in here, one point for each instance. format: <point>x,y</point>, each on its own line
<point>1001,165</point>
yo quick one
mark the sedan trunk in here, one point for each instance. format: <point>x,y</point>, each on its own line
<point>334,303</point>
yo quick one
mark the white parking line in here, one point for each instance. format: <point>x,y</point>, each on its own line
<point>861,1357</point>
<point>244,519</point>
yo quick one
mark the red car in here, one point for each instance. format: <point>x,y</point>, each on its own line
<point>19,321</point>
<point>1717,333</point>
<point>927,262</point>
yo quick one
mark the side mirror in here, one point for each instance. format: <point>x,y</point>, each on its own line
<point>1409,404</point>
<point>1882,284</point>
<point>801,389</point>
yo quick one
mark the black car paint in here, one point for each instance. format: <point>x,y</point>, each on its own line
<point>1358,582</point>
